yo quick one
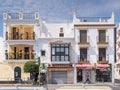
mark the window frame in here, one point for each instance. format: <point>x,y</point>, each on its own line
<point>58,55</point>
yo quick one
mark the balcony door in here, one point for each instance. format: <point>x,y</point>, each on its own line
<point>26,52</point>
<point>14,32</point>
<point>102,54</point>
<point>83,54</point>
<point>17,74</point>
<point>83,35</point>
<point>102,36</point>
<point>15,53</point>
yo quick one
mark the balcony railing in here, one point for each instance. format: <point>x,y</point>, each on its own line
<point>18,56</point>
<point>102,59</point>
<point>13,16</point>
<point>83,59</point>
<point>28,16</point>
<point>21,16</point>
<point>20,36</point>
<point>102,40</point>
<point>93,19</point>
<point>84,40</point>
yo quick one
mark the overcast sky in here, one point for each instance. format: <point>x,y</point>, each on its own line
<point>61,10</point>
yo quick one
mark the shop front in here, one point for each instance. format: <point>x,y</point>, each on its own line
<point>103,73</point>
<point>85,73</point>
<point>60,74</point>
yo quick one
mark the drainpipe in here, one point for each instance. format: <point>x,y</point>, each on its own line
<point>115,39</point>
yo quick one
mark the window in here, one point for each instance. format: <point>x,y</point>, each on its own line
<point>102,35</point>
<point>42,52</point>
<point>102,54</point>
<point>61,34</point>
<point>60,52</point>
<point>83,54</point>
<point>83,35</point>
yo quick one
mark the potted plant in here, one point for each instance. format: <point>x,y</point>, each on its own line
<point>20,54</point>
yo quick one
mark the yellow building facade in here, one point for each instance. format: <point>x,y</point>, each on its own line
<point>19,39</point>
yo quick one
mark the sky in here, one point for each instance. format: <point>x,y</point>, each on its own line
<point>61,10</point>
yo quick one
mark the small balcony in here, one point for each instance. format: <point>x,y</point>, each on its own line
<point>84,42</point>
<point>19,56</point>
<point>83,60</point>
<point>102,59</point>
<point>102,40</point>
<point>20,36</point>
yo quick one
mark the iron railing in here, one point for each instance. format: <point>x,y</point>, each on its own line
<point>19,55</point>
<point>20,36</point>
<point>102,39</point>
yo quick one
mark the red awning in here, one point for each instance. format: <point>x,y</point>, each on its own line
<point>102,65</point>
<point>85,66</point>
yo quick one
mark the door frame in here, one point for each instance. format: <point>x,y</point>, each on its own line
<point>19,73</point>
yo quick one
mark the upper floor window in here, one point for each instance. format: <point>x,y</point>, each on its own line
<point>102,54</point>
<point>83,54</point>
<point>102,36</point>
<point>42,52</point>
<point>60,52</point>
<point>83,35</point>
<point>61,34</point>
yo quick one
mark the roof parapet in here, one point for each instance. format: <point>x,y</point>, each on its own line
<point>21,16</point>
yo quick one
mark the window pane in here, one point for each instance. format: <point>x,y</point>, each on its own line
<point>83,36</point>
<point>66,58</point>
<point>62,49</point>
<point>102,36</point>
<point>57,49</point>
<point>57,58</point>
<point>83,54</point>
<point>53,58</point>
<point>62,58</point>
<point>66,51</point>
<point>53,51</point>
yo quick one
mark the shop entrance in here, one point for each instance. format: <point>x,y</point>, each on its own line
<point>103,75</point>
<point>79,75</point>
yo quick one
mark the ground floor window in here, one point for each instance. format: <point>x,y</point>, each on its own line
<point>103,75</point>
<point>79,75</point>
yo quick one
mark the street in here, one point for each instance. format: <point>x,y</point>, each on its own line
<point>61,87</point>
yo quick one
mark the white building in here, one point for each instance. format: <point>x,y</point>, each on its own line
<point>56,44</point>
<point>117,63</point>
<point>94,49</point>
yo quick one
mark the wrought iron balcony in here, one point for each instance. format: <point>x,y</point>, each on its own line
<point>83,59</point>
<point>19,56</point>
<point>102,40</point>
<point>102,59</point>
<point>20,36</point>
<point>84,40</point>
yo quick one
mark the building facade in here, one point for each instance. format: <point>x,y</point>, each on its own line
<point>56,45</point>
<point>94,49</point>
<point>117,63</point>
<point>20,34</point>
<point>75,52</point>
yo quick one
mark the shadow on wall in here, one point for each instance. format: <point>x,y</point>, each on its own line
<point>45,30</point>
